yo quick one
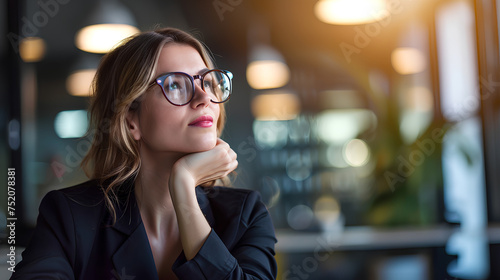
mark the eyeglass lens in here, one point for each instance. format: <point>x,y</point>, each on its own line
<point>217,84</point>
<point>178,88</point>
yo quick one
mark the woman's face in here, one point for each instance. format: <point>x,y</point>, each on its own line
<point>163,127</point>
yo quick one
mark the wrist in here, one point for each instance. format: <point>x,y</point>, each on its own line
<point>181,180</point>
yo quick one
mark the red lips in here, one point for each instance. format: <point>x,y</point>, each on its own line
<point>202,121</point>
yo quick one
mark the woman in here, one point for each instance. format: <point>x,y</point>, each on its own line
<point>157,114</point>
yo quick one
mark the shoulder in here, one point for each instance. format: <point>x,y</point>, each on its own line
<point>88,192</point>
<point>81,198</point>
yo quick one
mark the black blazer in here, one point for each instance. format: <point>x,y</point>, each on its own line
<point>75,239</point>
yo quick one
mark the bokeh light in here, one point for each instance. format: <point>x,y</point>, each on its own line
<point>356,152</point>
<point>71,124</point>
<point>300,217</point>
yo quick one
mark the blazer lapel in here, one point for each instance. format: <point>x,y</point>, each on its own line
<point>202,194</point>
<point>133,259</point>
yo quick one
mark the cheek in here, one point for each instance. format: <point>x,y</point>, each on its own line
<point>158,122</point>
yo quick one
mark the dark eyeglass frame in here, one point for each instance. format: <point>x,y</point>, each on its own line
<point>161,79</point>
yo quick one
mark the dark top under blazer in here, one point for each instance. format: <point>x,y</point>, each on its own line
<point>75,239</point>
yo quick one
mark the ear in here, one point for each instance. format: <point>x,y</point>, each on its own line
<point>132,119</point>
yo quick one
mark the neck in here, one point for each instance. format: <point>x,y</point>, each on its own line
<point>153,193</point>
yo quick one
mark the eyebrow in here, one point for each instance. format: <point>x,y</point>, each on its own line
<point>200,72</point>
<point>203,71</point>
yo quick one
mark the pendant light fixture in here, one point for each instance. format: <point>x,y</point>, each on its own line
<point>266,67</point>
<point>108,24</point>
<point>79,82</point>
<point>32,49</point>
<point>350,12</point>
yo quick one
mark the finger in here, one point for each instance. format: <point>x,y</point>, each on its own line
<point>233,166</point>
<point>224,151</point>
<point>232,154</point>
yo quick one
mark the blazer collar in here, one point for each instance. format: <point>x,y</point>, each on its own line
<point>134,257</point>
<point>128,216</point>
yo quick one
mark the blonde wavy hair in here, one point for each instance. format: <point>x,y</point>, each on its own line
<point>121,80</point>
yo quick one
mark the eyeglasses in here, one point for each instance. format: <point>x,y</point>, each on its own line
<point>179,88</point>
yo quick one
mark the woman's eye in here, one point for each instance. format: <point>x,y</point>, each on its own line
<point>207,84</point>
<point>174,86</point>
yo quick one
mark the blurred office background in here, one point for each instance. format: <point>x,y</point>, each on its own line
<point>369,127</point>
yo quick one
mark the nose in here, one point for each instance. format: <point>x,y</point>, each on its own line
<point>200,98</point>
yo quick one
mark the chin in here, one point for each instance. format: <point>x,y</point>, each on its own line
<point>202,146</point>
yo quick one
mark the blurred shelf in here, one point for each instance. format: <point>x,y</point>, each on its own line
<point>371,238</point>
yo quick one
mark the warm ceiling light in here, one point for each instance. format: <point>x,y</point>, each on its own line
<point>107,25</point>
<point>100,38</point>
<point>265,74</point>
<point>347,12</point>
<point>78,83</point>
<point>275,106</point>
<point>267,68</point>
<point>408,61</point>
<point>32,49</point>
